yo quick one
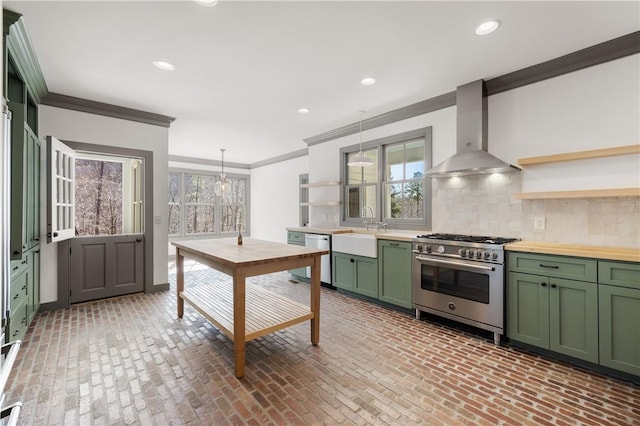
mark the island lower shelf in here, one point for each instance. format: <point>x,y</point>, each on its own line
<point>266,311</point>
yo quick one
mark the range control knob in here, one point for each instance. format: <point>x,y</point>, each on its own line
<point>440,249</point>
<point>487,255</point>
<point>419,247</point>
<point>479,254</point>
<point>471,254</point>
<point>461,252</point>
<point>428,249</point>
<point>494,256</point>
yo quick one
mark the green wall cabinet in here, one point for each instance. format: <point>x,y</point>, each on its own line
<point>619,315</point>
<point>394,272</point>
<point>24,244</point>
<point>297,239</point>
<point>547,310</point>
<point>358,274</point>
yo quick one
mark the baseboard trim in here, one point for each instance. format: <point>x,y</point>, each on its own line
<point>158,287</point>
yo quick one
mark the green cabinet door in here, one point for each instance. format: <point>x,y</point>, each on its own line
<point>573,318</point>
<point>297,239</point>
<point>32,219</point>
<point>619,317</point>
<point>358,274</point>
<point>528,309</point>
<point>394,272</point>
<point>366,282</point>
<point>34,283</point>
<point>344,271</point>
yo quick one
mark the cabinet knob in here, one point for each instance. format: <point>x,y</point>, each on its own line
<point>16,296</point>
<point>352,260</point>
<point>16,252</point>
<point>553,286</point>
<point>543,284</point>
<point>138,240</point>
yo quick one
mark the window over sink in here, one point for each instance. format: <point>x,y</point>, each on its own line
<point>394,190</point>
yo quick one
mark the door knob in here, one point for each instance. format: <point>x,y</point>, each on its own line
<point>138,240</point>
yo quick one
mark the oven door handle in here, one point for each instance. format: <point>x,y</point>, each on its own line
<point>448,262</point>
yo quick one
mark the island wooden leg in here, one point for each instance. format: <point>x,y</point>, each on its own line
<point>239,298</point>
<point>179,281</point>
<point>315,300</point>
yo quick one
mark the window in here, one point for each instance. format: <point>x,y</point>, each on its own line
<point>194,208</point>
<point>404,180</point>
<point>362,187</point>
<point>108,197</point>
<point>394,190</point>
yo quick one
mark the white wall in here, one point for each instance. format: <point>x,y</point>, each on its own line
<point>275,198</point>
<point>597,107</point>
<point>95,129</point>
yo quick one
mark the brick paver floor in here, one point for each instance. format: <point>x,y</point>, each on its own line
<point>129,360</point>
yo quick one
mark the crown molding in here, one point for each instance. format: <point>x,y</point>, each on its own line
<point>93,107</point>
<point>206,162</point>
<point>616,48</point>
<point>21,50</point>
<point>413,110</point>
<point>280,158</point>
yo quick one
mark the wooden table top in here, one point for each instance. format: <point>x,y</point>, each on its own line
<point>251,252</point>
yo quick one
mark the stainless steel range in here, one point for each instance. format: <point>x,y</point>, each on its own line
<point>461,277</point>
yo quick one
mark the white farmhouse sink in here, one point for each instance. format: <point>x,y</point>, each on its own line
<point>356,243</point>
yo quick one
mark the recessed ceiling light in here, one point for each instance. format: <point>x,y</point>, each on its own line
<point>367,81</point>
<point>164,65</point>
<point>487,27</point>
<point>303,110</point>
<point>206,2</point>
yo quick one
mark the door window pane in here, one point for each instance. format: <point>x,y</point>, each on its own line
<point>98,196</point>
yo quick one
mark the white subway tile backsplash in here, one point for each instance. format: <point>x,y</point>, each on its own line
<point>485,204</point>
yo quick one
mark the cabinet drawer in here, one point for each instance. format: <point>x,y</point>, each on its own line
<point>295,237</point>
<point>18,265</point>
<point>622,274</point>
<point>573,268</point>
<point>18,293</point>
<point>18,323</point>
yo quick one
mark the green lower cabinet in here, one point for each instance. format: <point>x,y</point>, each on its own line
<point>358,274</point>
<point>573,318</point>
<point>528,309</point>
<point>394,272</point>
<point>297,239</point>
<point>34,284</point>
<point>619,315</point>
<point>554,313</point>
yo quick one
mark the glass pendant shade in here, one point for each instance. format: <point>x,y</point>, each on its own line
<point>222,186</point>
<point>360,160</point>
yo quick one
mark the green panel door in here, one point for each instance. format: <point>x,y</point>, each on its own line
<point>528,309</point>
<point>297,239</point>
<point>619,310</point>
<point>394,266</point>
<point>366,282</point>
<point>573,309</point>
<point>33,191</point>
<point>344,271</point>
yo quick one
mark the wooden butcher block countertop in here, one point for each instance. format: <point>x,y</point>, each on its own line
<point>596,252</point>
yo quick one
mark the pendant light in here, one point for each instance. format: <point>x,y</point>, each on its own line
<point>360,160</point>
<point>222,186</point>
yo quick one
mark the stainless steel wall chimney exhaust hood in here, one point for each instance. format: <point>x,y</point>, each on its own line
<point>471,155</point>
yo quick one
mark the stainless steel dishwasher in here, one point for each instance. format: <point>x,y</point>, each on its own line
<point>321,242</point>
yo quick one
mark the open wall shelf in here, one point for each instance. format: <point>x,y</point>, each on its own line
<point>580,155</point>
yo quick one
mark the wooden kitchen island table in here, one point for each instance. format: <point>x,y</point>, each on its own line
<point>245,313</point>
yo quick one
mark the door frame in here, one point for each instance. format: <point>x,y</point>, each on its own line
<point>63,247</point>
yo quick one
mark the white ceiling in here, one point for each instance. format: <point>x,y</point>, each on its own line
<point>245,68</point>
